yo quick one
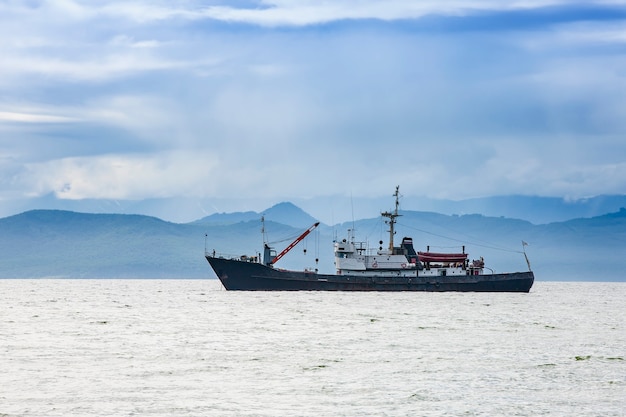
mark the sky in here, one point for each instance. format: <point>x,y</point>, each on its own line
<point>253,102</point>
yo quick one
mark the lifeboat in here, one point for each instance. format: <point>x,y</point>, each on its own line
<point>441,257</point>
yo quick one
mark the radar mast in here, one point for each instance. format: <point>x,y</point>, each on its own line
<point>392,218</point>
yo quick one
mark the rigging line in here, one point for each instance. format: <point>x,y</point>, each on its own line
<point>317,244</point>
<point>375,229</point>
<point>372,231</point>
<point>456,231</point>
<point>464,241</point>
<point>286,239</point>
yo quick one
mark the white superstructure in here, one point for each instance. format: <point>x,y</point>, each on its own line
<point>357,259</point>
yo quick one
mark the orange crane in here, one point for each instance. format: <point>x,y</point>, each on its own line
<point>294,243</point>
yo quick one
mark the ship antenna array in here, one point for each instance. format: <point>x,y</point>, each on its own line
<point>392,218</point>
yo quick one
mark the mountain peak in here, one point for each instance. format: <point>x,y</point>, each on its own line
<point>285,213</point>
<point>289,214</point>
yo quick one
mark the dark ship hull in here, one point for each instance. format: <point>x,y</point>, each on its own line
<point>253,276</point>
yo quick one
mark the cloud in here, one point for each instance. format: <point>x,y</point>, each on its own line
<point>303,13</point>
<point>121,176</point>
<point>290,100</point>
<point>276,13</point>
<point>33,118</point>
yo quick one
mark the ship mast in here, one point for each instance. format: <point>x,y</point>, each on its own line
<point>392,218</point>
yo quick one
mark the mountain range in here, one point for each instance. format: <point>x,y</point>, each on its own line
<point>67,244</point>
<point>334,209</point>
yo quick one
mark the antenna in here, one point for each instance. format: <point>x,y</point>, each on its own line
<point>352,208</point>
<point>263,229</point>
<point>524,244</point>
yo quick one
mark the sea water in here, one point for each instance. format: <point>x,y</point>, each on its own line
<point>189,348</point>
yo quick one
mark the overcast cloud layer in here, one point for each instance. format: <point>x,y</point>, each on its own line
<point>283,100</point>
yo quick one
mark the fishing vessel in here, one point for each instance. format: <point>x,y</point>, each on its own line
<point>359,268</point>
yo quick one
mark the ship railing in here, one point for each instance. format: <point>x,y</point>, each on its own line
<point>358,246</point>
<point>243,258</point>
<point>362,248</point>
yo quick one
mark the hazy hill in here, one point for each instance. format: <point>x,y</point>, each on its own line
<point>53,243</point>
<point>535,209</point>
<point>227,218</point>
<point>333,209</point>
<point>59,243</point>
<point>284,213</point>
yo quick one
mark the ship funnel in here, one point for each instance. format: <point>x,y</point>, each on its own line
<point>409,251</point>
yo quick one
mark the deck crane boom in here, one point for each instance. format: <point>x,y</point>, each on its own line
<point>294,243</point>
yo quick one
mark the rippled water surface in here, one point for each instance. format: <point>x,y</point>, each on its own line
<point>188,348</point>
